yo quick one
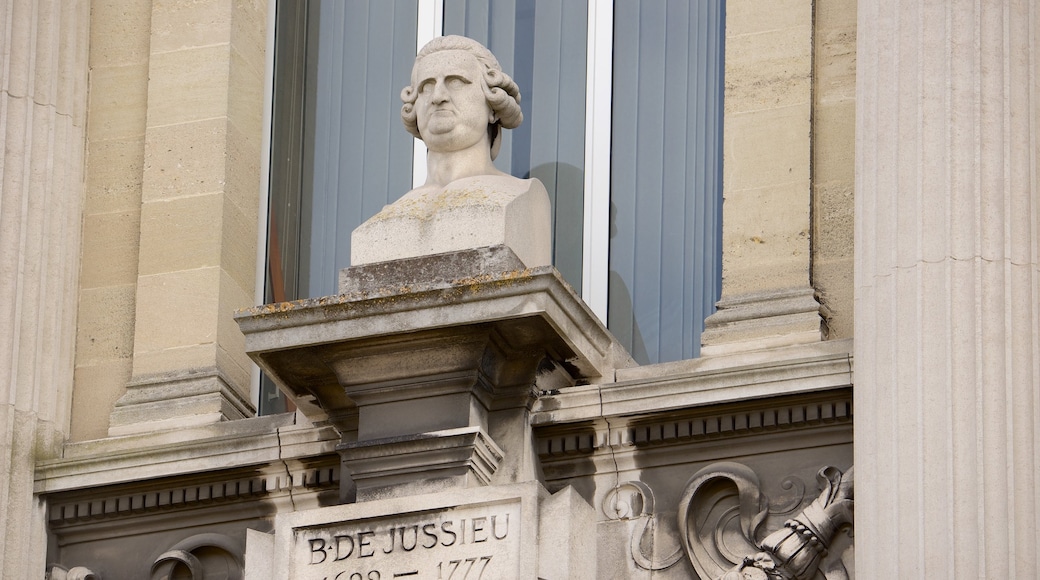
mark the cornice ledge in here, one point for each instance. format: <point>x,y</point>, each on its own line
<point>168,453</point>
<point>704,381</point>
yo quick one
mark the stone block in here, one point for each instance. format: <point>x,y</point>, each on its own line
<point>767,319</point>
<point>181,233</point>
<point>767,148</point>
<point>110,249</point>
<point>752,16</point>
<point>120,32</point>
<point>484,210</point>
<point>177,400</point>
<point>188,85</point>
<point>98,387</point>
<point>114,172</point>
<point>249,33</point>
<point>490,532</point>
<point>174,310</point>
<point>185,159</point>
<point>767,239</point>
<point>243,167</point>
<point>232,358</point>
<point>178,25</point>
<point>118,102</point>
<point>772,214</point>
<point>246,95</point>
<point>174,359</point>
<point>105,329</point>
<point>391,277</point>
<point>769,70</point>
<point>259,556</point>
<point>834,147</point>
<point>420,464</point>
<point>567,541</point>
<point>238,246</point>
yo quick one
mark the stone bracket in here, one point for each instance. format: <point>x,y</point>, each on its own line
<point>423,463</point>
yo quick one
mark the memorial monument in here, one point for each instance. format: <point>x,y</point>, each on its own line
<point>450,329</point>
<point>458,103</point>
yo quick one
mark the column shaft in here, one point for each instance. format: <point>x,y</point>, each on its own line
<point>947,285</point>
<point>42,100</point>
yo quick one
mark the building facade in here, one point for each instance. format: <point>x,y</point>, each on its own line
<point>880,213</point>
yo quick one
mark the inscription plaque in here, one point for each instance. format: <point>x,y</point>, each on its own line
<point>471,542</point>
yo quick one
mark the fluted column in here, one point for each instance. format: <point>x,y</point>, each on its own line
<point>43,49</point>
<point>947,348</point>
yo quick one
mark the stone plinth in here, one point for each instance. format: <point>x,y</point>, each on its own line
<point>502,532</point>
<point>769,319</point>
<point>430,345</point>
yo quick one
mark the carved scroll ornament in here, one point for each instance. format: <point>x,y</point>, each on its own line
<point>721,517</point>
<point>75,573</point>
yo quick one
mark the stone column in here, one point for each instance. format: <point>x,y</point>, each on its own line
<point>43,69</point>
<point>947,289</point>
<point>198,216</point>
<point>767,300</point>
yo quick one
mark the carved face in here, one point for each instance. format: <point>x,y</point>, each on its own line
<point>451,110</point>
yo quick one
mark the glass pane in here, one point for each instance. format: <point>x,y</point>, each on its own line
<point>666,175</point>
<point>359,157</point>
<point>542,46</point>
<point>339,152</point>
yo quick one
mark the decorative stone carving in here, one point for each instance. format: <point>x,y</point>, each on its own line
<point>195,554</point>
<point>458,102</point>
<point>721,517</point>
<point>795,552</point>
<point>75,573</point>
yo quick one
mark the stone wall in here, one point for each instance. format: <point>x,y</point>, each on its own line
<point>769,50</point>
<point>833,162</point>
<point>119,51</point>
<point>170,223</point>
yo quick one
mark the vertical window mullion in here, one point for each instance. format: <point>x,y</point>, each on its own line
<point>598,85</point>
<point>430,26</point>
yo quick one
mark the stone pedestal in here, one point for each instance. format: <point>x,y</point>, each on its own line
<point>428,366</point>
<point>519,532</point>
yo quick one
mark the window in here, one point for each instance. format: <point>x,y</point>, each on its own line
<point>623,122</point>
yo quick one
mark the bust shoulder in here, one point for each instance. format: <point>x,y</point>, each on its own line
<point>471,212</point>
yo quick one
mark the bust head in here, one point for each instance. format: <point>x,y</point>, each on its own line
<point>466,71</point>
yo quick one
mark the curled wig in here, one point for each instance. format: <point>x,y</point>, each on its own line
<point>502,94</point>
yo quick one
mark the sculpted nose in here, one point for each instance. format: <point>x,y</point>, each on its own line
<point>439,94</point>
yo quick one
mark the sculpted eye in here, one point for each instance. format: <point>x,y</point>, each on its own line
<point>456,82</point>
<point>424,87</point>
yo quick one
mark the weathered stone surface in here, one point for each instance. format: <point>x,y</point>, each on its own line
<point>391,277</point>
<point>761,320</point>
<point>767,146</point>
<point>402,356</point>
<point>477,211</point>
<point>947,348</point>
<point>458,102</point>
<point>423,463</point>
<point>492,532</point>
<point>527,311</point>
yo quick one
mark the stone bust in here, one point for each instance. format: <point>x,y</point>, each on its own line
<point>458,102</point>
